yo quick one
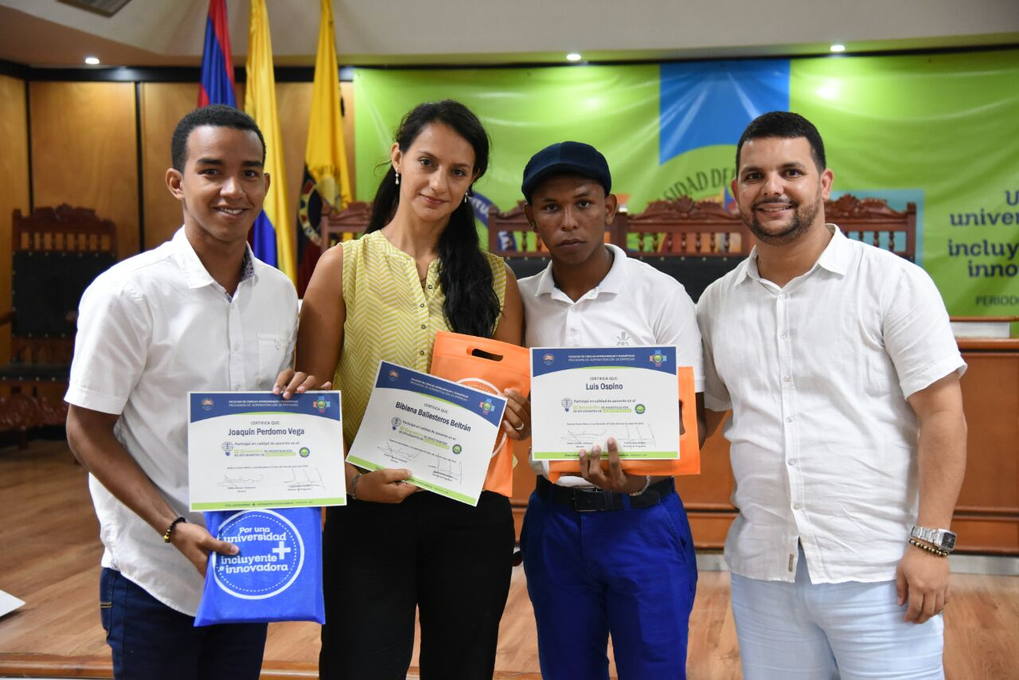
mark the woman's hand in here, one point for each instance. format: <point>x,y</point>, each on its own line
<point>384,486</point>
<point>516,420</point>
<point>290,382</point>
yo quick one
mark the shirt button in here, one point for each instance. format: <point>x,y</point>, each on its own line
<point>421,352</point>
<point>423,326</point>
<point>789,419</point>
<point>782,296</point>
<point>796,506</point>
<point>429,286</point>
<point>786,379</point>
<point>237,346</point>
<point>792,461</point>
<point>784,336</point>
<point>421,305</point>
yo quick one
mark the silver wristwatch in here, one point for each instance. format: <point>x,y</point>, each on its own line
<point>942,539</point>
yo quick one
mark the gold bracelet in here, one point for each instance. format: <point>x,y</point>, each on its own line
<point>923,546</point>
<point>169,529</point>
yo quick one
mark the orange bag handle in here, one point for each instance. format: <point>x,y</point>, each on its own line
<point>453,353</point>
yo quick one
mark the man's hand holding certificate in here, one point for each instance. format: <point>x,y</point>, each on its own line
<point>442,431</point>
<point>256,450</point>
<point>582,396</point>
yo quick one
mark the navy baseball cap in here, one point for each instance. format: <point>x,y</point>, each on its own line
<point>566,158</point>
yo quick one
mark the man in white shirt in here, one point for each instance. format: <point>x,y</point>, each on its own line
<point>848,440</point>
<point>606,552</point>
<point>197,313</point>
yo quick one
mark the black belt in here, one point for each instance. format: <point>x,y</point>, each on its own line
<point>596,500</point>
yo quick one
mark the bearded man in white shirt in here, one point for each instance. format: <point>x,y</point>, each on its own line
<point>197,313</point>
<point>848,440</point>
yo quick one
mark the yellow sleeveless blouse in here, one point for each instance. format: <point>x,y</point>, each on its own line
<point>390,316</point>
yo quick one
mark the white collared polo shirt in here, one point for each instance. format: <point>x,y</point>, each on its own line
<point>634,305</point>
<point>151,329</point>
<point>823,441</point>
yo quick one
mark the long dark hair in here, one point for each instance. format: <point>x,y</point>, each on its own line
<point>471,306</point>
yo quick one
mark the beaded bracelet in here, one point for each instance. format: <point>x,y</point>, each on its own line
<point>169,529</point>
<point>353,486</point>
<point>923,546</point>
<point>647,483</point>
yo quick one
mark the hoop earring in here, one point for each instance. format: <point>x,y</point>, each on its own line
<point>397,178</point>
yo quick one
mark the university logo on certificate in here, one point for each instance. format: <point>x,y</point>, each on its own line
<point>258,450</point>
<point>581,396</point>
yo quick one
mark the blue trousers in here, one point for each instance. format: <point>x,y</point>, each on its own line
<point>630,573</point>
<point>151,641</point>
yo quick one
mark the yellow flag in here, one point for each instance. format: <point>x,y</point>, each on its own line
<point>260,104</point>
<point>325,156</point>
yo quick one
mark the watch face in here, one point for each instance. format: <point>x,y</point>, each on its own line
<point>948,541</point>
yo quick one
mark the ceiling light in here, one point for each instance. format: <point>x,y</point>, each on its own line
<point>838,47</point>
<point>92,61</point>
<point>573,56</point>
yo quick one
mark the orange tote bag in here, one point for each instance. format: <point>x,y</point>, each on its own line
<point>490,366</point>
<point>689,462</point>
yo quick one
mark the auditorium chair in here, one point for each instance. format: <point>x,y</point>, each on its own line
<point>56,253</point>
<point>695,242</point>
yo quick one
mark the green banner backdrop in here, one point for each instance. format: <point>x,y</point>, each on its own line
<point>939,130</point>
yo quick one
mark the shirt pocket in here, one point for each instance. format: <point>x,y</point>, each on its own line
<point>272,349</point>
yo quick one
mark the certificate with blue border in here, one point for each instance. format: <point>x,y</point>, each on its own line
<point>581,396</point>
<point>441,431</point>
<point>258,450</point>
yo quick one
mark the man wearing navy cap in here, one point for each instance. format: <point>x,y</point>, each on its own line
<point>605,552</point>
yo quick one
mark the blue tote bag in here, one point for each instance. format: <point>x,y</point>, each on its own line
<point>276,575</point>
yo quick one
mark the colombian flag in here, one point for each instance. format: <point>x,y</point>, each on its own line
<point>272,231</point>
<point>217,64</point>
<point>326,185</point>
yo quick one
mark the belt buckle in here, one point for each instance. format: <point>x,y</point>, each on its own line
<point>577,496</point>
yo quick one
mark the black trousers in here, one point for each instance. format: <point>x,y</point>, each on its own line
<point>450,560</point>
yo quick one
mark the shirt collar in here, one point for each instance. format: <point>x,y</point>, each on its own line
<point>195,272</point>
<point>834,257</point>
<point>837,254</point>
<point>612,283</point>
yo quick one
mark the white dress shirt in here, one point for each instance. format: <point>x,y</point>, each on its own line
<point>150,329</point>
<point>823,441</point>
<point>634,305</point>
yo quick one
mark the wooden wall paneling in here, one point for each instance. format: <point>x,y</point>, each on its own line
<point>84,151</point>
<point>986,533</point>
<point>162,106</point>
<point>990,392</point>
<point>706,496</point>
<point>987,514</point>
<point>14,180</point>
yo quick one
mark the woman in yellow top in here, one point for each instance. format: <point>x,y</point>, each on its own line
<point>418,269</point>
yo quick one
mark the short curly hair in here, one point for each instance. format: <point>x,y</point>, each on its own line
<point>216,115</point>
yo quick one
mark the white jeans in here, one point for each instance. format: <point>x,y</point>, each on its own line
<point>803,631</point>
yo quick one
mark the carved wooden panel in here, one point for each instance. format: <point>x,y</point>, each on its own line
<point>344,224</point>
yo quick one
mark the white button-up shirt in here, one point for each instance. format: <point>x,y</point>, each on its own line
<point>150,329</point>
<point>823,441</point>
<point>634,305</point>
